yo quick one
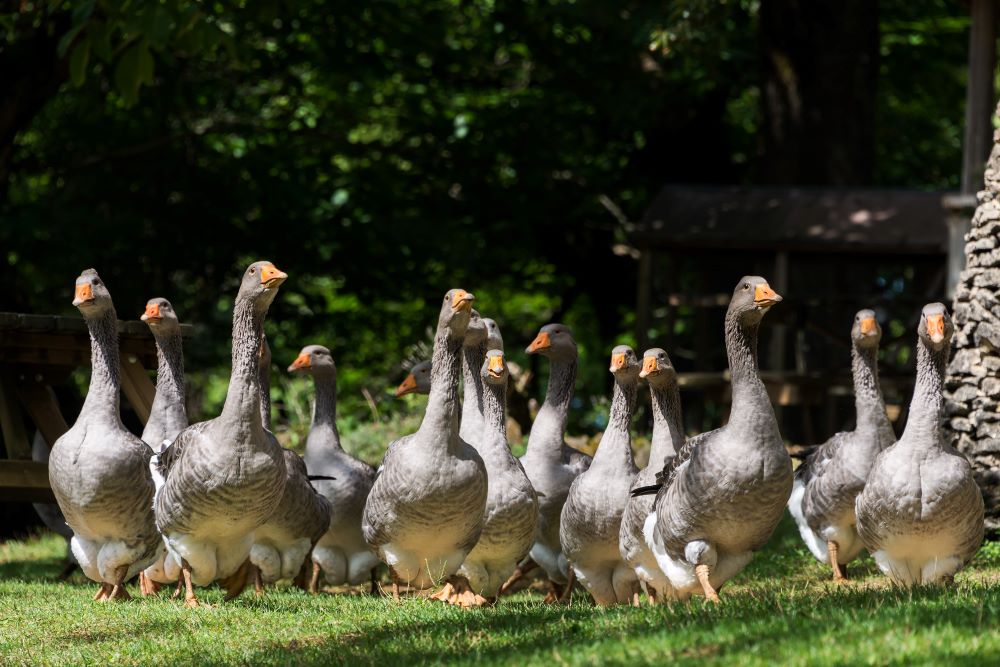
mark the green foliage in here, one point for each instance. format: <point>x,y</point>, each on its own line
<point>382,153</point>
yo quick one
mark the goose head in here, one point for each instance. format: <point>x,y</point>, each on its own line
<point>865,332</point>
<point>476,333</point>
<point>493,338</point>
<point>494,368</point>
<point>417,381</point>
<point>314,360</point>
<point>624,363</point>
<point>554,341</point>
<point>456,311</point>
<point>91,296</point>
<point>657,367</point>
<point>752,298</point>
<point>260,283</point>
<point>160,316</point>
<point>936,326</point>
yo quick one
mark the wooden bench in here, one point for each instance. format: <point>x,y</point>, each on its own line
<point>38,352</point>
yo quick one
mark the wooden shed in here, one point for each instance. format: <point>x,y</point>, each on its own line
<point>829,252</point>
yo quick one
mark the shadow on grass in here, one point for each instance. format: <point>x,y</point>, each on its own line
<point>763,623</point>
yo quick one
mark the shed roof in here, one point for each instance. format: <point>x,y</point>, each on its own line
<point>903,222</point>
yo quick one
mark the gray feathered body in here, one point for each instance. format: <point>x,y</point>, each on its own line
<point>99,473</point>
<point>551,466</point>
<point>425,510</point>
<point>283,542</point>
<point>921,512</point>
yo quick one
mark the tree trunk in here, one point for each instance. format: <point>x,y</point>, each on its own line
<point>820,62</point>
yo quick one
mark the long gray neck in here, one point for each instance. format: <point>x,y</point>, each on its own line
<point>751,407</point>
<point>923,426</point>
<point>473,357</point>
<point>243,400</point>
<point>265,393</point>
<point>168,415</point>
<point>494,437</point>
<point>546,437</point>
<point>105,379</point>
<point>441,415</point>
<point>616,443</point>
<point>868,402</point>
<point>324,417</point>
<point>668,427</point>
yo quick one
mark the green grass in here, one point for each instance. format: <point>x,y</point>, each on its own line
<point>782,609</point>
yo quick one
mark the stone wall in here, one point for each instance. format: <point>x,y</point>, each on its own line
<point>973,386</point>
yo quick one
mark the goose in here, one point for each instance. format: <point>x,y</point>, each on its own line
<point>511,504</point>
<point>473,354</point>
<point>341,556</point>
<point>829,480</point>
<point>167,417</point>
<point>667,440</point>
<point>283,543</point>
<point>98,470</point>
<point>425,510</point>
<point>417,381</point>
<point>722,496</point>
<point>591,518</point>
<point>494,340</point>
<point>225,476</point>
<point>551,464</point>
<point>920,513</point>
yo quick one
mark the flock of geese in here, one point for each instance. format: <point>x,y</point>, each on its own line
<point>221,501</point>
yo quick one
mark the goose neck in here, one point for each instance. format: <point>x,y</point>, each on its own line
<point>105,375</point>
<point>668,429</point>
<point>441,415</point>
<point>751,406</point>
<point>473,357</point>
<point>324,415</point>
<point>868,402</point>
<point>244,398</point>
<point>549,427</point>
<point>923,426</point>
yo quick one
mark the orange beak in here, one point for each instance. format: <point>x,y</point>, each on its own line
<point>541,343</point>
<point>271,276</point>
<point>462,300</point>
<point>407,386</point>
<point>617,362</point>
<point>301,361</point>
<point>935,327</point>
<point>496,367</point>
<point>84,293</point>
<point>152,313</point>
<point>868,326</point>
<point>764,296</point>
<point>649,367</point>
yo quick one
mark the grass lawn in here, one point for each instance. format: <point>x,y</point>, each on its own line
<point>781,609</point>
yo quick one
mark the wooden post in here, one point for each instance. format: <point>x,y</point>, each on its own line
<point>979,93</point>
<point>978,129</point>
<point>15,436</point>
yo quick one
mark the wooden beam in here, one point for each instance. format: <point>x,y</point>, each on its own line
<point>40,402</point>
<point>15,437</point>
<point>138,388</point>
<point>25,482</point>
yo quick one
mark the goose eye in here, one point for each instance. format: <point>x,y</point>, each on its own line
<point>97,281</point>
<point>746,285</point>
<point>253,270</point>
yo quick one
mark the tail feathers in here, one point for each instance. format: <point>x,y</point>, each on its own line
<point>650,490</point>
